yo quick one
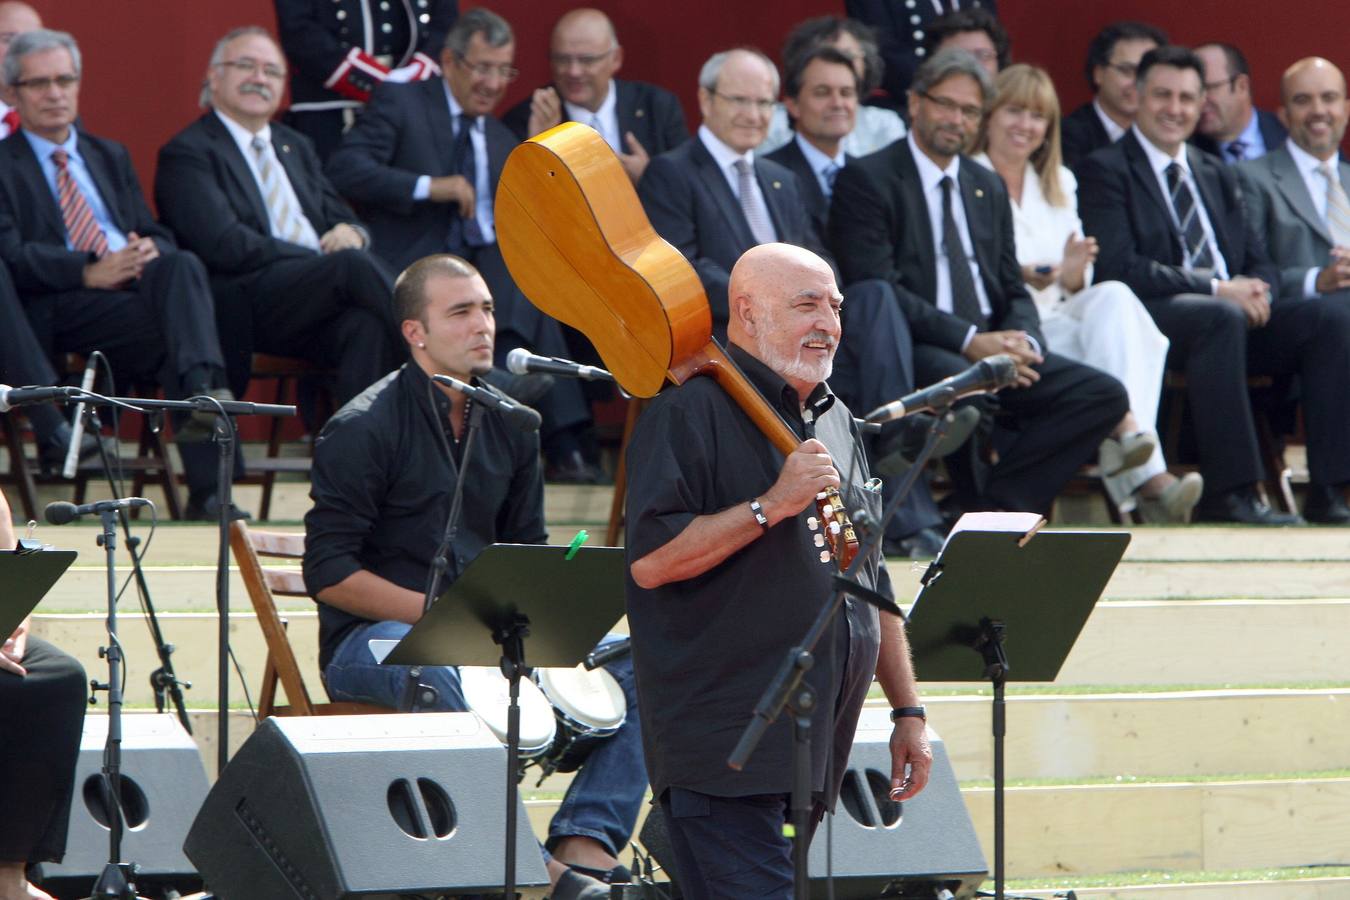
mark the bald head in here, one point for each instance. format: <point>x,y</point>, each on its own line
<point>1314,108</point>
<point>784,307</point>
<point>15,19</point>
<point>584,54</point>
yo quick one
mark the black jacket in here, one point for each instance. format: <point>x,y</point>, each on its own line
<point>652,113</point>
<point>1082,133</point>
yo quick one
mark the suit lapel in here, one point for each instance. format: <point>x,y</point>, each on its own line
<point>979,219</point>
<point>914,219</point>
<point>1212,195</point>
<point>102,175</point>
<point>288,152</point>
<point>1142,173</point>
<point>772,188</point>
<point>245,184</point>
<point>630,117</point>
<point>1289,182</point>
<point>438,120</point>
<point>713,179</point>
<point>815,199</point>
<point>26,162</point>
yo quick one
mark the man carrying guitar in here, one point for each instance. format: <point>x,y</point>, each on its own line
<point>725,574</point>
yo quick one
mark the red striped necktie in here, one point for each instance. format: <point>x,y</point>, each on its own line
<point>81,227</point>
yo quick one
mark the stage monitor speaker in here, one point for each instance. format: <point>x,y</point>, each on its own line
<point>163,786</point>
<point>907,851</point>
<point>375,806</point>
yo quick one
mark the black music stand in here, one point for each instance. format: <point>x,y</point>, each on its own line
<point>991,593</point>
<point>559,600</point>
<point>27,576</point>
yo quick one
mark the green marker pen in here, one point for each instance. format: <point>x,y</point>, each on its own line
<point>577,541</point>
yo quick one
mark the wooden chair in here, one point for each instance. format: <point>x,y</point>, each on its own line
<point>263,584</point>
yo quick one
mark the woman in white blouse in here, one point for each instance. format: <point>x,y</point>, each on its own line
<point>1103,325</point>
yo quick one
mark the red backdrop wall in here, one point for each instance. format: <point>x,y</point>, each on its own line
<point>144,59</point>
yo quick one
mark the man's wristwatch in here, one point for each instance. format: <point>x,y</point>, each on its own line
<point>909,712</point>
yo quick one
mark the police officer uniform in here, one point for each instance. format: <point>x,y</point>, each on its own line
<point>340,49</point>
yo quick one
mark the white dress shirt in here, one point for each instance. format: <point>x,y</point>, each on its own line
<point>481,189</point>
<point>820,164</point>
<point>309,237</point>
<point>1317,189</point>
<point>726,160</point>
<point>604,120</point>
<point>1113,131</point>
<point>1159,161</point>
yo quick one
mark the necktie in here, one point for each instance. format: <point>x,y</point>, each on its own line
<point>756,216</point>
<point>81,228</point>
<point>1237,150</point>
<point>285,217</point>
<point>11,121</point>
<point>830,173</point>
<point>965,301</point>
<point>1193,240</point>
<point>1338,206</point>
<point>465,232</point>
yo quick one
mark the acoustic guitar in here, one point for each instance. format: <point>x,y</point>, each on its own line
<point>579,245</point>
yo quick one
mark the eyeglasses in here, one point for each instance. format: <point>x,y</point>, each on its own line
<point>487,70</point>
<point>42,85</point>
<point>584,60</point>
<point>1129,70</point>
<point>1226,82</point>
<point>745,104</point>
<point>984,54</point>
<point>947,105</point>
<point>253,67</point>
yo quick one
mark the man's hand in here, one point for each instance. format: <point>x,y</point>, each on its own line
<point>1335,276</point>
<point>454,189</point>
<point>1013,343</point>
<point>341,237</point>
<point>909,746</point>
<point>1039,280</point>
<point>113,271</point>
<point>1252,296</point>
<point>545,110</point>
<point>635,161</point>
<point>807,471</point>
<point>11,654</point>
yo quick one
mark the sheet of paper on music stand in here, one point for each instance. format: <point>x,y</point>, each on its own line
<point>25,578</point>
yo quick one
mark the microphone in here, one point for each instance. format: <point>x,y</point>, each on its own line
<point>62,512</point>
<point>10,397</point>
<point>986,376</point>
<point>597,658</point>
<point>518,414</point>
<point>77,429</point>
<point>522,362</point>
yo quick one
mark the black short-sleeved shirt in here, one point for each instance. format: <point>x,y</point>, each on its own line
<point>706,648</point>
<point>384,474</point>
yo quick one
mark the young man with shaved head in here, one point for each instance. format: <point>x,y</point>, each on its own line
<point>636,119</point>
<point>1296,198</point>
<point>725,576</point>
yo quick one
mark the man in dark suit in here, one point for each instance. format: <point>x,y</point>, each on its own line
<point>638,120</point>
<point>1112,60</point>
<point>902,28</point>
<point>340,50</point>
<point>288,261</point>
<point>938,227</point>
<point>1296,198</point>
<point>1171,223</point>
<point>93,268</point>
<point>1231,127</point>
<point>422,165</point>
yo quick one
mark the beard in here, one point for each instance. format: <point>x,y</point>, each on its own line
<point>796,365</point>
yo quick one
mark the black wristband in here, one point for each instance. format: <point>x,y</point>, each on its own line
<point>909,712</point>
<point>758,512</point>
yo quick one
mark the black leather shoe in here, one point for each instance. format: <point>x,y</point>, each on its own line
<point>906,441</point>
<point>52,452</point>
<point>1326,505</point>
<point>200,425</point>
<point>207,509</point>
<point>1244,507</point>
<point>572,885</point>
<point>922,544</point>
<point>573,469</point>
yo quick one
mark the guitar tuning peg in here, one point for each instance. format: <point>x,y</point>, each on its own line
<point>822,495</point>
<point>820,540</point>
<point>824,556</point>
<point>834,528</point>
<point>812,523</point>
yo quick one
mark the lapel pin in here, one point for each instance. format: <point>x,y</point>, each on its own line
<point>777,185</point>
<point>640,113</point>
<point>285,148</point>
<point>979,192</point>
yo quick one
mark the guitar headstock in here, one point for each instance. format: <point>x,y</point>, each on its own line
<point>834,530</point>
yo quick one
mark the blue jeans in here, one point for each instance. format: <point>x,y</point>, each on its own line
<point>603,800</point>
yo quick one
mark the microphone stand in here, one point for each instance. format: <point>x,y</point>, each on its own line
<point>789,689</point>
<point>163,680</point>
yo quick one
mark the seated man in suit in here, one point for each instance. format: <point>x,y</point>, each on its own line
<point>1113,57</point>
<point>938,227</point>
<point>422,164</point>
<point>93,268</point>
<point>288,261</point>
<point>638,120</point>
<point>1231,127</point>
<point>1172,224</point>
<point>1296,199</point>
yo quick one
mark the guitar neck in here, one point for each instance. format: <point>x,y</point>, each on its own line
<point>713,361</point>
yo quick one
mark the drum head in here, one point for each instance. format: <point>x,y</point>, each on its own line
<point>488,693</point>
<point>591,698</point>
